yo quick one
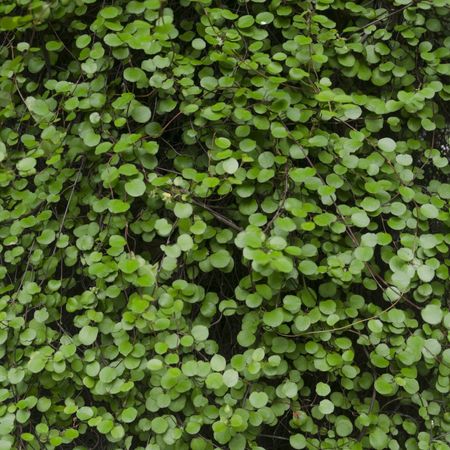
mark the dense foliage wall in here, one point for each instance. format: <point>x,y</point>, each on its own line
<point>224,225</point>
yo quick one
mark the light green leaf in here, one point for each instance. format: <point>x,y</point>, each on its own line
<point>258,399</point>
<point>135,187</point>
<point>200,333</point>
<point>387,145</point>
<point>432,314</point>
<point>230,377</point>
<point>141,114</point>
<point>297,441</point>
<point>326,407</point>
<point>230,165</point>
<point>220,259</point>
<point>88,335</point>
<point>182,210</point>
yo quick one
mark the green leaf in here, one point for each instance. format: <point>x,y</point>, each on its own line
<point>134,74</point>
<point>200,333</point>
<point>387,145</point>
<point>214,381</point>
<point>83,41</point>
<point>182,210</point>
<point>378,439</point>
<point>108,374</point>
<point>264,18</point>
<point>85,243</point>
<point>282,264</point>
<point>385,385</point>
<point>3,151</point>
<point>326,407</point>
<point>352,112</point>
<point>429,211</point>
<point>159,425</point>
<point>16,375</point>
<point>258,399</point>
<point>185,242</point>
<point>245,21</point>
<point>37,362</point>
<point>432,314</point>
<point>297,441</point>
<point>128,265</point>
<point>278,130</point>
<point>273,318</point>
<point>154,365</point>
<point>46,237</point>
<point>230,378</point>
<point>370,204</point>
<point>364,253</point>
<point>88,335</point>
<point>322,389</point>
<point>129,415</point>
<point>230,165</point>
<point>308,267</point>
<point>135,187</point>
<point>220,259</point>
<point>26,164</point>
<point>290,389</point>
<point>360,219</point>
<point>141,114</point>
<point>425,273</point>
<point>85,413</point>
<point>222,142</point>
<point>37,106</point>
<point>110,12</point>
<point>318,141</point>
<point>218,363</point>
<point>118,206</point>
<point>344,426</point>
<point>198,44</point>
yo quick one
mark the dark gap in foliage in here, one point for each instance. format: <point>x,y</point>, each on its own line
<point>91,439</point>
<point>224,332</point>
<point>276,438</point>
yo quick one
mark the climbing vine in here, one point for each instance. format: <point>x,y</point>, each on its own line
<point>224,225</point>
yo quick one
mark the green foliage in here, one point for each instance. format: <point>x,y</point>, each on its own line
<point>224,224</point>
